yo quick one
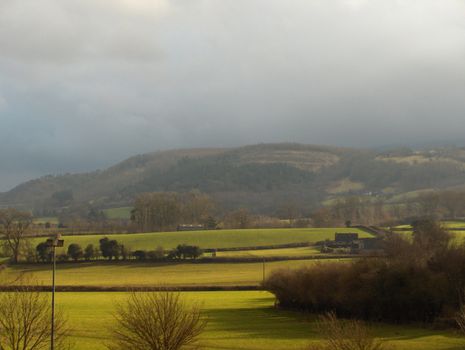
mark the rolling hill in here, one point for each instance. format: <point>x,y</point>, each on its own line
<point>260,177</point>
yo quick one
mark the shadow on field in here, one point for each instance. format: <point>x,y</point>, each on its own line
<point>265,322</point>
<point>271,323</point>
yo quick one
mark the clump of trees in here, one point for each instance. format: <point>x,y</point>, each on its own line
<point>184,251</point>
<point>373,210</point>
<point>420,280</point>
<point>160,211</point>
<point>156,321</point>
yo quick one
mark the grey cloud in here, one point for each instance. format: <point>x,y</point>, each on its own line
<point>84,83</point>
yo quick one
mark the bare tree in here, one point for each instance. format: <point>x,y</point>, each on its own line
<point>460,318</point>
<point>14,225</point>
<point>346,335</point>
<point>25,321</point>
<point>156,321</point>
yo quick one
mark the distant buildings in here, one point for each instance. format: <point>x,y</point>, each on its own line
<point>355,245</point>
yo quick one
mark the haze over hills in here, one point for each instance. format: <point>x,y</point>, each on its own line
<point>259,177</point>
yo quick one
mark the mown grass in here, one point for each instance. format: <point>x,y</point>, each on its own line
<point>213,238</point>
<point>106,274</point>
<point>238,320</point>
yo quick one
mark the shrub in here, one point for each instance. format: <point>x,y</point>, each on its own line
<point>140,254</point>
<point>75,251</point>
<point>184,251</point>
<point>110,248</point>
<point>157,254</point>
<point>43,252</point>
<point>90,252</point>
<point>156,321</point>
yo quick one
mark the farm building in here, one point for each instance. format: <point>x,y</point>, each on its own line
<point>345,237</point>
<point>355,245</point>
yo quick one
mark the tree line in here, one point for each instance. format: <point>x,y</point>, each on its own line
<point>375,210</point>
<point>112,250</point>
<point>164,211</point>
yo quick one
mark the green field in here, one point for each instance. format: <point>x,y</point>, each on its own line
<point>213,238</point>
<point>105,274</point>
<point>446,224</point>
<point>43,220</point>
<point>118,213</point>
<point>238,320</point>
<point>281,252</point>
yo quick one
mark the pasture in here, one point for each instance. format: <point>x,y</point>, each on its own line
<point>123,213</point>
<point>44,219</point>
<point>238,320</point>
<point>127,274</point>
<point>212,238</point>
<point>281,252</point>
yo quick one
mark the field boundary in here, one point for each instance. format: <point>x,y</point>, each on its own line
<point>204,260</point>
<point>187,288</point>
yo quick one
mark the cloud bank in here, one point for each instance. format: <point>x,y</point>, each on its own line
<point>84,83</point>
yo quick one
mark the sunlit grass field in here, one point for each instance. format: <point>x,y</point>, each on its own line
<point>287,252</point>
<point>213,238</point>
<point>105,274</point>
<point>118,213</point>
<point>446,224</point>
<point>44,219</point>
<point>238,320</point>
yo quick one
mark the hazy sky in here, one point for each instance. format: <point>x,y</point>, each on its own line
<point>85,83</point>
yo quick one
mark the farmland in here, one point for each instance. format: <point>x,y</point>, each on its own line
<point>238,320</point>
<point>106,274</point>
<point>277,252</point>
<point>243,320</point>
<point>213,238</point>
<point>118,213</point>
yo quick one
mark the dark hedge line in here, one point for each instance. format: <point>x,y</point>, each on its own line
<point>417,281</point>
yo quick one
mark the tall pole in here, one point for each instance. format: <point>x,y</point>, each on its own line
<point>263,278</point>
<point>54,243</point>
<point>52,333</point>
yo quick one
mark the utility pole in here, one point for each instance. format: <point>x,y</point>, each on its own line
<point>54,243</point>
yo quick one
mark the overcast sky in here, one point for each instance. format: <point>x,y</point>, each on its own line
<point>85,83</point>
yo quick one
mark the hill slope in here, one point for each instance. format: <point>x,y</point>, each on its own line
<point>260,177</point>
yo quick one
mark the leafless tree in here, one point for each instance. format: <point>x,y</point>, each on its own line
<point>14,224</point>
<point>156,321</point>
<point>25,321</point>
<point>460,318</point>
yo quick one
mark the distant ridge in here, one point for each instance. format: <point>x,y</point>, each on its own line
<point>260,177</point>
